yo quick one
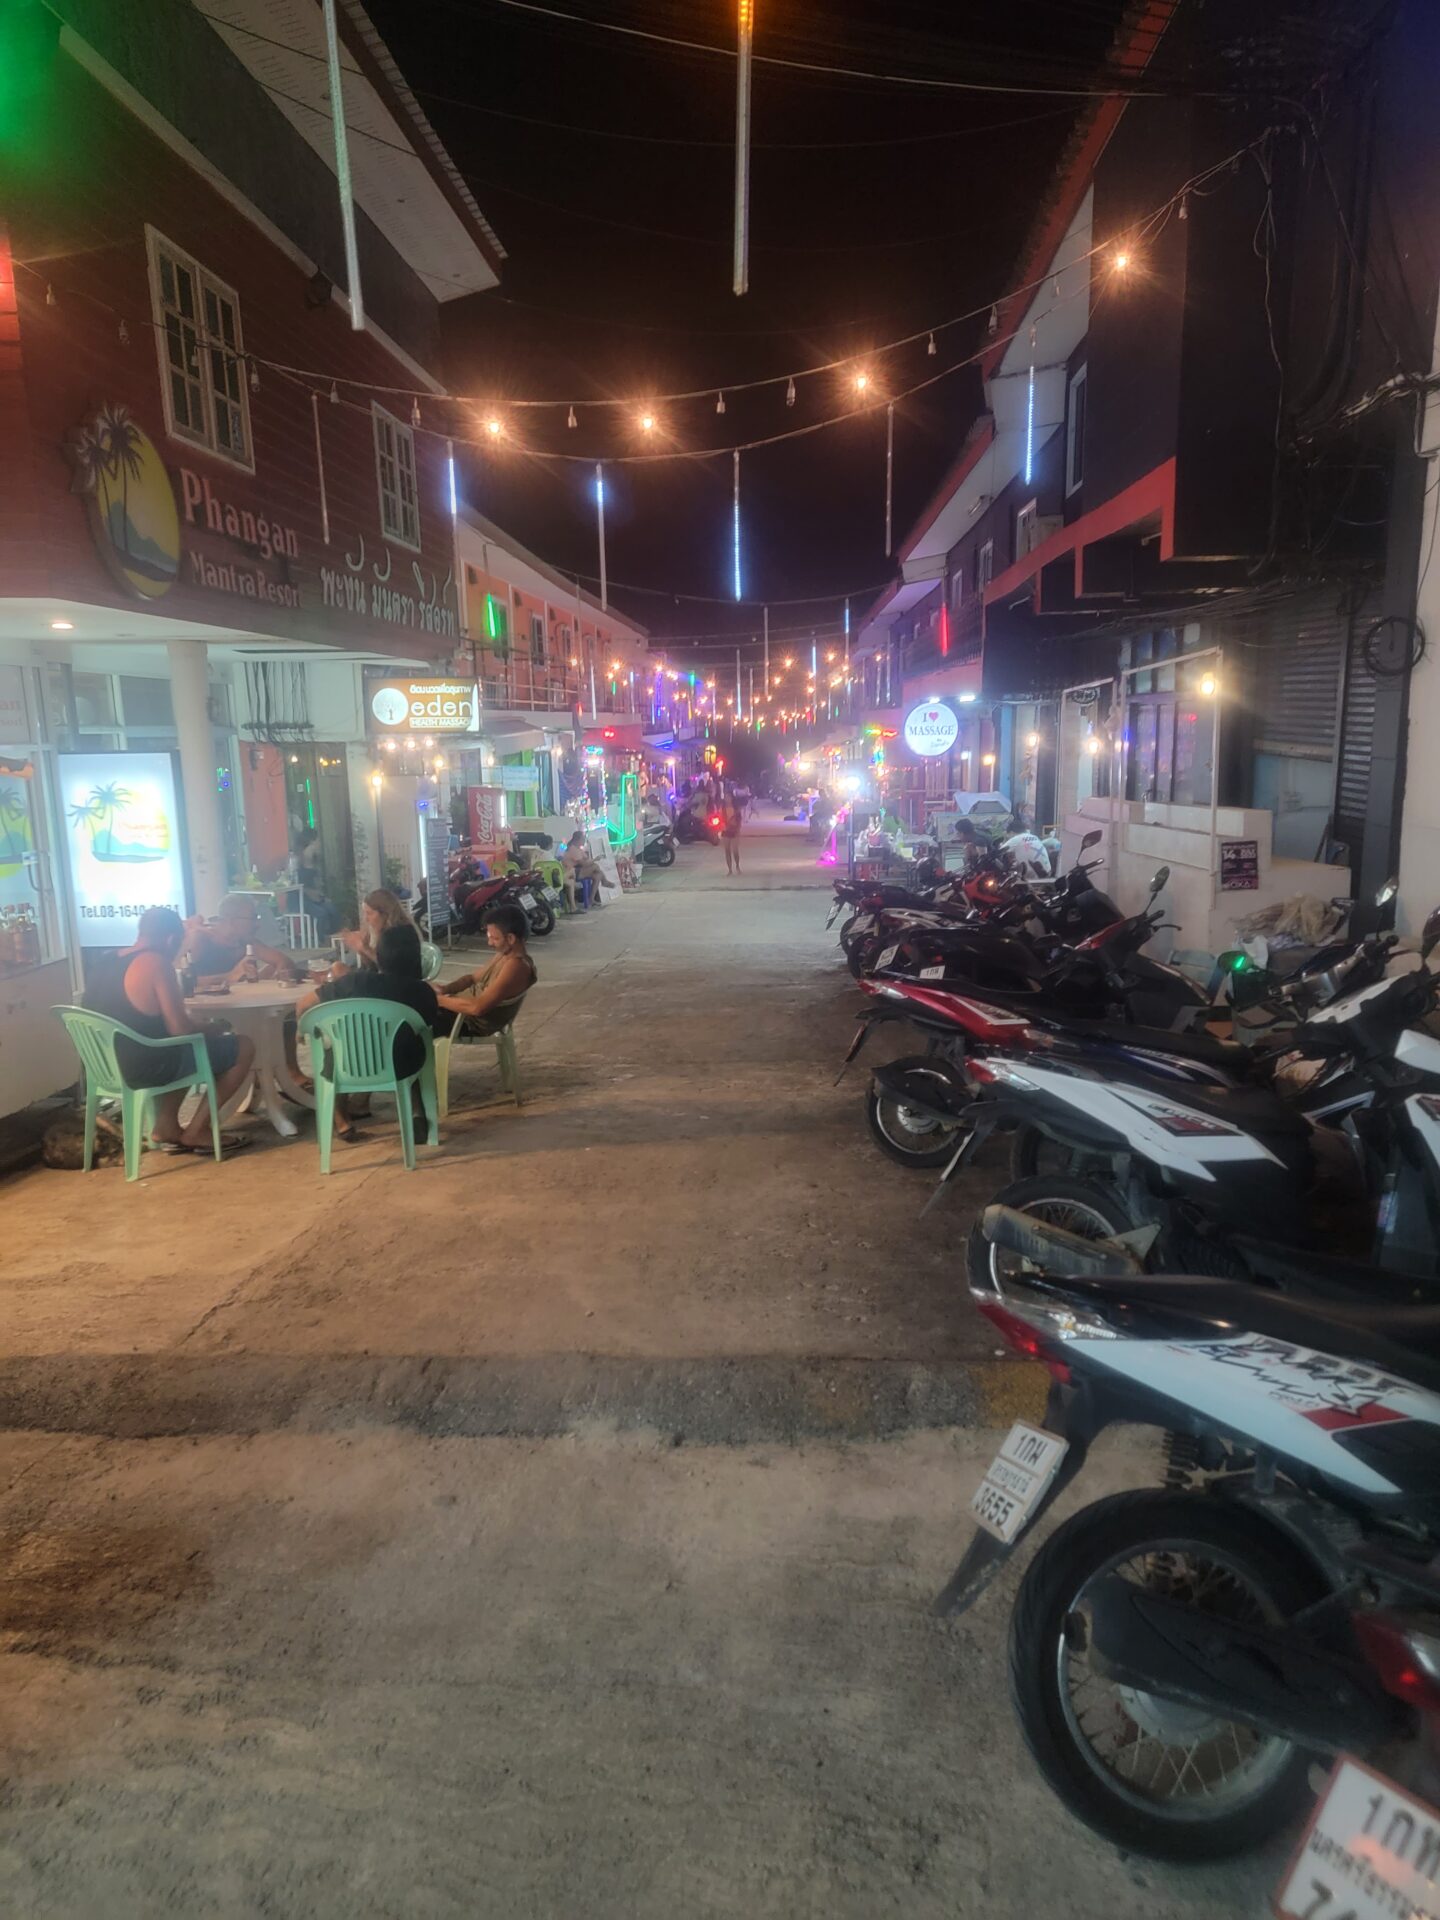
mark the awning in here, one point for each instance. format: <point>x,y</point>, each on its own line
<point>510,731</point>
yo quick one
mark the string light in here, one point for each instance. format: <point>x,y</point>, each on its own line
<point>494,427</point>
<point>790,391</point>
<point>124,333</point>
<point>570,419</point>
<point>414,413</point>
<point>993,325</point>
<point>647,423</point>
<point>1122,260</point>
<point>930,347</point>
<point>719,403</point>
<point>49,294</point>
<point>862,381</point>
<point>334,394</point>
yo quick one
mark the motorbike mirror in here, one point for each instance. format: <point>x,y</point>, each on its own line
<point>1430,935</point>
<point>1092,839</point>
<point>1388,892</point>
<point>1161,880</point>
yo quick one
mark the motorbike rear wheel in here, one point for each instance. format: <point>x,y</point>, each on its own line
<point>1176,1782</point>
<point>906,1135</point>
<point>662,855</point>
<point>1079,1206</point>
<point>542,919</point>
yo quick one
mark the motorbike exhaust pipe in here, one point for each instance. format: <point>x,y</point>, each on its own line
<point>1270,1678</point>
<point>1054,1249</point>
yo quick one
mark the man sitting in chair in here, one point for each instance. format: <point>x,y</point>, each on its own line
<point>230,948</point>
<point>490,998</point>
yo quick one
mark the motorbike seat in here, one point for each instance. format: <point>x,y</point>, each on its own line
<point>1254,1109</point>
<point>1201,1047</point>
<point>1399,1337</point>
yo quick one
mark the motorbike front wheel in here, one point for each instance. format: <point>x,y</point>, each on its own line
<point>663,855</point>
<point>1079,1206</point>
<point>1176,1782</point>
<point>907,1134</point>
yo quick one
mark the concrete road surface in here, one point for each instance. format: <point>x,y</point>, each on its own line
<point>548,1531</point>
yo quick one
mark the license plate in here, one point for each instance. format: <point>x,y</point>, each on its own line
<point>862,923</point>
<point>527,900</point>
<point>1369,1853</point>
<point>886,957</point>
<point>1017,1480</point>
<point>932,973</point>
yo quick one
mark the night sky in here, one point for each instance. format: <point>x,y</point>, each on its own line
<point>865,226</point>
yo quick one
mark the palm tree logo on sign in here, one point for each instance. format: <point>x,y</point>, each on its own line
<point>133,514</point>
<point>15,840</point>
<point>121,832</point>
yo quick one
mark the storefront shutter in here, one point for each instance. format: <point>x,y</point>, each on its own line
<point>1299,664</point>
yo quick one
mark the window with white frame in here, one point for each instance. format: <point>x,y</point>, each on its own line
<point>537,635</point>
<point>1025,528</point>
<point>1075,432</point>
<point>202,353</point>
<point>395,470</point>
<point>957,583</point>
<point>984,566</point>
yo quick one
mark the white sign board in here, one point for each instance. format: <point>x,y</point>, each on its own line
<point>931,728</point>
<point>1372,1851</point>
<point>121,815</point>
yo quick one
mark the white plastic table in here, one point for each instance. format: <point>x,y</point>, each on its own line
<point>260,1011</point>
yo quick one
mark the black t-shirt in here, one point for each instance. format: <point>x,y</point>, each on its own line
<point>369,983</point>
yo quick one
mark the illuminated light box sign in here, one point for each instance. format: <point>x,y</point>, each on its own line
<point>123,841</point>
<point>931,728</point>
<point>396,704</point>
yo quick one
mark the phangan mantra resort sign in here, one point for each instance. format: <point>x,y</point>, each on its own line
<point>157,527</point>
<point>395,704</point>
<point>931,728</point>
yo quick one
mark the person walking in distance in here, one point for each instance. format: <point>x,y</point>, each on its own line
<point>731,816</point>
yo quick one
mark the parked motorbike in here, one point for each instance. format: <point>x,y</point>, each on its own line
<point>1178,1655</point>
<point>1191,1172</point>
<point>657,844</point>
<point>527,891</point>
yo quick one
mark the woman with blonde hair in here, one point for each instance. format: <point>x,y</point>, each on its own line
<point>380,910</point>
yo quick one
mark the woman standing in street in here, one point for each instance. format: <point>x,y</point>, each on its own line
<point>731,816</point>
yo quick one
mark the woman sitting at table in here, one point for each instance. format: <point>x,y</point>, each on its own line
<point>491,998</point>
<point>137,987</point>
<point>396,976</point>
<point>380,910</point>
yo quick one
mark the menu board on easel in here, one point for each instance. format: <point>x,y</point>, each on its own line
<point>437,865</point>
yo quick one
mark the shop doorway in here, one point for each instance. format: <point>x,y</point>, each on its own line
<point>317,800</point>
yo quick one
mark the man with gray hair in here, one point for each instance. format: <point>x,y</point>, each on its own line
<point>230,949</point>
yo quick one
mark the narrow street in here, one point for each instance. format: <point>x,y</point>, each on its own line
<point>552,1529</point>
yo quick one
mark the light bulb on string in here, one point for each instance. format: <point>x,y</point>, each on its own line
<point>1122,260</point>
<point>930,346</point>
<point>719,403</point>
<point>994,322</point>
<point>414,413</point>
<point>1184,213</point>
<point>334,394</point>
<point>647,422</point>
<point>124,333</point>
<point>495,426</point>
<point>49,294</point>
<point>790,391</point>
<point>570,419</point>
<point>862,381</point>
<point>254,378</point>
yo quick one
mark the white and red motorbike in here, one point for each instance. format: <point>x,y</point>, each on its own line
<point>1179,1655</point>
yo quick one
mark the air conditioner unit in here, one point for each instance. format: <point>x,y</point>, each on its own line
<point>1037,529</point>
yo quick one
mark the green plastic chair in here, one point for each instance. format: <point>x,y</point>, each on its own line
<point>505,1056</point>
<point>355,1041</point>
<point>93,1036</point>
